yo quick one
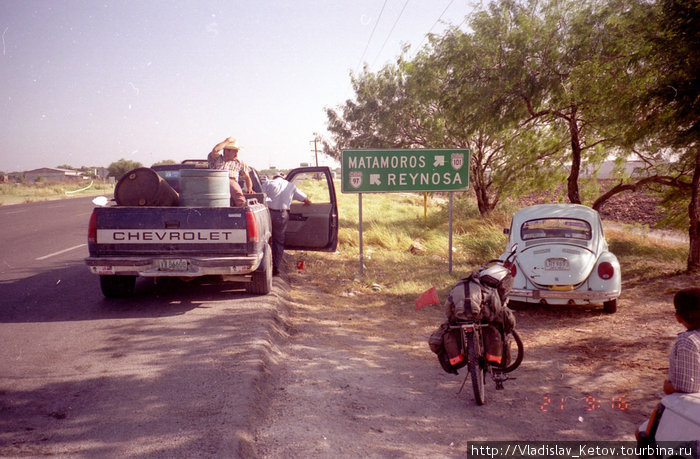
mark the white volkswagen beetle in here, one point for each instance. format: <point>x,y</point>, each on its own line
<point>562,257</point>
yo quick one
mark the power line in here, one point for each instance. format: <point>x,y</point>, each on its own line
<point>434,24</point>
<point>371,35</point>
<point>391,31</point>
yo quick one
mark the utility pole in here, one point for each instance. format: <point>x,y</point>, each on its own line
<point>316,147</point>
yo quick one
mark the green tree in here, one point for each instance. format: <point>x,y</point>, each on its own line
<point>404,106</point>
<point>506,159</point>
<point>369,120</point>
<point>119,168</point>
<point>165,162</point>
<point>668,109</point>
<point>543,68</point>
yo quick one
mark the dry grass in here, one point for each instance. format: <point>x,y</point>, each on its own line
<point>393,223</point>
<point>17,193</point>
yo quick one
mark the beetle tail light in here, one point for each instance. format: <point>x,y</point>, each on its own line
<point>511,266</point>
<point>606,270</point>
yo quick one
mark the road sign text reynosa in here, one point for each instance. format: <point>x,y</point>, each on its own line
<point>373,171</point>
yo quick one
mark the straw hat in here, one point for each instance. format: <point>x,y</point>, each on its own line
<point>231,144</point>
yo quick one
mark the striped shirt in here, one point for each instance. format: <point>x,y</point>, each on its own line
<point>684,362</point>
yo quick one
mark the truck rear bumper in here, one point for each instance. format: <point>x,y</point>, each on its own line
<point>173,266</point>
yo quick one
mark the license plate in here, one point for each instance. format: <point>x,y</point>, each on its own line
<point>556,264</point>
<point>172,265</point>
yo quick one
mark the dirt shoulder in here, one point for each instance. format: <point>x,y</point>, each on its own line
<point>356,377</point>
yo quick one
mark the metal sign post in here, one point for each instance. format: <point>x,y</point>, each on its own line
<point>362,261</point>
<point>449,257</point>
<point>412,170</point>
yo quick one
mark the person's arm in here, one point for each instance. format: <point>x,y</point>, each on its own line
<point>248,181</point>
<point>300,196</point>
<point>217,148</point>
<point>668,387</point>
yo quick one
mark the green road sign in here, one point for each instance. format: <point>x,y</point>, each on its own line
<point>385,171</point>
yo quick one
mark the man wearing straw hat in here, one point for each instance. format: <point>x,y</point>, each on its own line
<point>229,161</point>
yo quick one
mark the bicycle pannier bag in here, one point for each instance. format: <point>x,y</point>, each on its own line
<point>493,343</point>
<point>437,343</point>
<point>453,349</point>
<point>437,339</point>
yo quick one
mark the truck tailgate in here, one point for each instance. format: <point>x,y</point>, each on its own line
<point>143,231</point>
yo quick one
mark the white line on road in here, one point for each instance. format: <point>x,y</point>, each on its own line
<point>60,252</point>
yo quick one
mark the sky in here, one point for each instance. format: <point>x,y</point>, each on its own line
<point>88,82</point>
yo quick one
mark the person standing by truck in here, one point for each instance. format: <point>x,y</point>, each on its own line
<point>280,194</point>
<point>229,161</point>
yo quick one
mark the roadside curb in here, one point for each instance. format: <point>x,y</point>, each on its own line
<point>274,330</point>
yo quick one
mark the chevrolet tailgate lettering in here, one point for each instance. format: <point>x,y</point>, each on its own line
<point>205,236</point>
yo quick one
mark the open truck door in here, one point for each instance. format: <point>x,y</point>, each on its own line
<point>313,227</point>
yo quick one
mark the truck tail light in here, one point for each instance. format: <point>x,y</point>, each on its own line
<point>92,229</point>
<point>251,227</point>
<point>606,270</point>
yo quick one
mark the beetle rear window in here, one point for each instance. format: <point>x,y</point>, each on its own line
<point>555,228</point>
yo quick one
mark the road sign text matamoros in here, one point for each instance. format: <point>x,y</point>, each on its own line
<point>377,171</point>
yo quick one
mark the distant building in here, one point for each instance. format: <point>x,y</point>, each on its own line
<point>101,172</point>
<point>51,175</point>
<point>605,171</point>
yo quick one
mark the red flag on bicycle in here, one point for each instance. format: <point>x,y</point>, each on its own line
<point>427,298</point>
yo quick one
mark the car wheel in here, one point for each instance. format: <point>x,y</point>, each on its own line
<point>610,306</point>
<point>117,286</point>
<point>261,283</point>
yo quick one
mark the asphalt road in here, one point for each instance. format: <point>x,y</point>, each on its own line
<point>178,370</point>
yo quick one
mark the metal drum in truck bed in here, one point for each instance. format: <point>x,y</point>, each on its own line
<point>204,188</point>
<point>144,187</point>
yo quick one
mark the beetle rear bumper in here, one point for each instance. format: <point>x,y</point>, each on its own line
<point>563,296</point>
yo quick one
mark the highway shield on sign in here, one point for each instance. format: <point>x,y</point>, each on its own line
<point>457,160</point>
<point>356,179</point>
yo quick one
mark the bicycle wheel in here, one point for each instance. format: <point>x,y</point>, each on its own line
<point>477,366</point>
<point>519,357</point>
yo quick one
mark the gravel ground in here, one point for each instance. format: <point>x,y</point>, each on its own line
<point>355,376</point>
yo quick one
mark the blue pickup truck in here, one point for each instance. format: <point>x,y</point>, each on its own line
<point>128,241</point>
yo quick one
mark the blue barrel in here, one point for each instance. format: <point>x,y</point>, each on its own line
<point>204,188</point>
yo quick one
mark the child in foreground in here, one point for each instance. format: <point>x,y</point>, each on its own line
<point>684,360</point>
